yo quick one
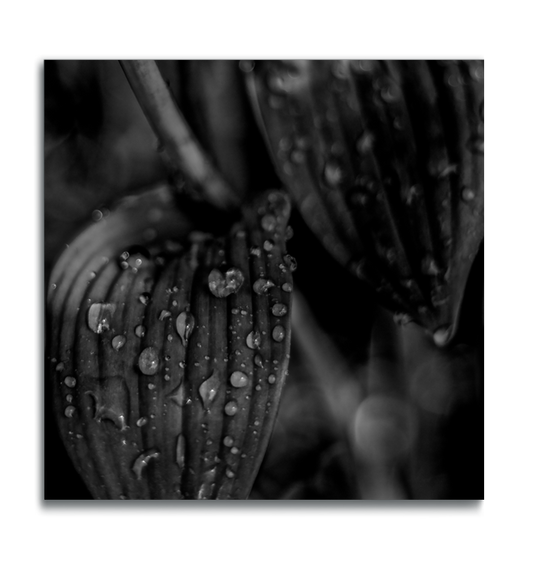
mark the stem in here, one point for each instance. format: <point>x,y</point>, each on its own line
<point>183,150</point>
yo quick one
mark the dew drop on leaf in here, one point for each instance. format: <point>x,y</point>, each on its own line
<point>228,441</point>
<point>253,340</point>
<point>208,389</point>
<point>99,316</point>
<point>279,309</point>
<point>140,331</point>
<point>70,411</point>
<point>239,379</point>
<point>149,361</point>
<point>278,333</point>
<point>261,286</point>
<point>184,326</point>
<point>118,342</point>
<point>70,381</point>
<point>231,408</point>
<point>272,379</point>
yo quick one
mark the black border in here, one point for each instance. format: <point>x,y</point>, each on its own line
<point>296,510</point>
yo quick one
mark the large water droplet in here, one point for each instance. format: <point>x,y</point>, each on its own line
<point>278,333</point>
<point>268,245</point>
<point>180,451</point>
<point>272,379</point>
<point>149,361</point>
<point>142,461</point>
<point>184,326</point>
<point>279,309</point>
<point>99,316</point>
<point>208,389</point>
<point>140,331</point>
<point>253,340</point>
<point>287,287</point>
<point>224,284</point>
<point>70,381</point>
<point>239,379</point>
<point>231,408</point>
<point>261,286</point>
<point>118,342</point>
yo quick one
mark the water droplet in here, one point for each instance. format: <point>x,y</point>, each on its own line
<point>442,335</point>
<point>258,360</point>
<point>164,314</point>
<point>60,367</point>
<point>69,398</point>
<point>239,379</point>
<point>144,298</point>
<point>184,326</point>
<point>229,473</point>
<point>222,285</point>
<point>151,386</point>
<point>261,286</point>
<point>334,174</point>
<point>279,309</point>
<point>142,421</point>
<point>231,408</point>
<point>272,379</point>
<point>70,381</point>
<point>255,251</point>
<point>180,450</point>
<point>278,333</point>
<point>268,245</point>
<point>70,411</point>
<point>468,194</point>
<point>140,331</point>
<point>97,215</point>
<point>208,389</point>
<point>149,361</point>
<point>228,441</point>
<point>253,340</point>
<point>268,223</point>
<point>142,461</point>
<point>287,287</point>
<point>99,316</point>
<point>118,342</point>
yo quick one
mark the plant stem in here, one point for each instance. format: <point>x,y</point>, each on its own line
<point>183,150</point>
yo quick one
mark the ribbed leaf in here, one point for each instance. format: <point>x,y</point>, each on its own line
<point>167,364</point>
<point>385,161</point>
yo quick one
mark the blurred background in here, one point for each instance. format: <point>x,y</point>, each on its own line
<point>371,409</point>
